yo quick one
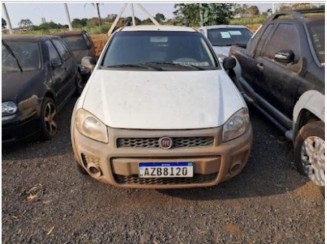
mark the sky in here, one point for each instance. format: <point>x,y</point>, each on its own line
<point>55,11</point>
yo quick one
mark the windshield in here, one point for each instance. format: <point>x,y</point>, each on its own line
<point>75,42</point>
<point>229,36</point>
<point>20,56</point>
<point>159,50</point>
<point>317,34</point>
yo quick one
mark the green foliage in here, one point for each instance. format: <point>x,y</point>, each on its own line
<point>129,20</point>
<point>160,17</point>
<point>216,13</point>
<point>212,13</point>
<point>25,23</point>
<point>246,10</point>
<point>249,21</point>
<point>79,23</point>
<point>48,26</point>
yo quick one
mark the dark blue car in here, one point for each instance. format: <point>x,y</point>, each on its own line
<point>39,76</point>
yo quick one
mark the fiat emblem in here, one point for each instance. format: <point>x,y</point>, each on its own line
<point>165,142</point>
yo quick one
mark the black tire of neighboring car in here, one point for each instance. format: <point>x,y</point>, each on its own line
<point>81,170</point>
<point>49,119</point>
<point>316,129</point>
<point>80,84</point>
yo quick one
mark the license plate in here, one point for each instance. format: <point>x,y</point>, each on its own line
<point>165,170</point>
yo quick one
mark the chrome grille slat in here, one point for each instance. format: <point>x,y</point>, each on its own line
<point>135,180</point>
<point>153,142</point>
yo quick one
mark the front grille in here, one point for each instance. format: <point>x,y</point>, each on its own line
<point>135,180</point>
<point>153,142</point>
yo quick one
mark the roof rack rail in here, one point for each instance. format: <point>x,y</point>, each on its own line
<point>298,14</point>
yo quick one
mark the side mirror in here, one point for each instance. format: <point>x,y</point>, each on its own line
<point>284,56</point>
<point>88,62</point>
<point>55,63</point>
<point>229,63</point>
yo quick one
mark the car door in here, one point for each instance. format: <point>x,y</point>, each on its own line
<point>57,71</point>
<point>251,70</point>
<point>282,77</point>
<point>69,67</point>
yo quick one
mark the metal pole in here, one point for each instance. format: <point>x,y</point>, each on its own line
<point>68,17</point>
<point>133,15</point>
<point>8,19</point>
<point>150,16</point>
<point>116,20</point>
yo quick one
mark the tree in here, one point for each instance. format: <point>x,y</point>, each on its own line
<point>25,23</point>
<point>213,13</point>
<point>187,14</point>
<point>217,13</point>
<point>253,10</point>
<point>129,21</point>
<point>4,23</point>
<point>78,23</point>
<point>160,17</point>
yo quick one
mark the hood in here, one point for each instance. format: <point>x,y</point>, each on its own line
<point>15,84</point>
<point>221,50</point>
<point>161,100</point>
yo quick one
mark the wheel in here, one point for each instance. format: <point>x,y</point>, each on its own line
<point>80,84</point>
<point>81,169</point>
<point>309,149</point>
<point>48,116</point>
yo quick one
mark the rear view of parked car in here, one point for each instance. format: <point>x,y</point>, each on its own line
<point>160,112</point>
<point>39,75</point>
<point>222,37</point>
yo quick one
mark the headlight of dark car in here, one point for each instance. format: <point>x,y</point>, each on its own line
<point>8,108</point>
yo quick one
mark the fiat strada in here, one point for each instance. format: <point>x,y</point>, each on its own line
<point>159,112</point>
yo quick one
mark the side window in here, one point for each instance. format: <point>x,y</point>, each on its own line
<point>285,37</point>
<point>63,51</point>
<point>53,54</point>
<point>263,40</point>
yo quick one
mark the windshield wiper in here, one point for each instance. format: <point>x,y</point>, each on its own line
<point>177,64</point>
<point>146,66</point>
<point>13,54</point>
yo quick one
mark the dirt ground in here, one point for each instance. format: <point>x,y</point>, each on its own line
<point>46,200</point>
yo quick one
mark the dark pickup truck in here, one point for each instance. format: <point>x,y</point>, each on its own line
<point>282,73</point>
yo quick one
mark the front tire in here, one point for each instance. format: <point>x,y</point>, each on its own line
<point>309,149</point>
<point>49,119</point>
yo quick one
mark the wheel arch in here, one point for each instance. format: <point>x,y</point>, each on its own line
<point>310,107</point>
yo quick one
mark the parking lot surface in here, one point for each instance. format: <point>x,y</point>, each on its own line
<point>46,200</point>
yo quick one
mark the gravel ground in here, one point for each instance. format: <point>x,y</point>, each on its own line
<point>45,200</point>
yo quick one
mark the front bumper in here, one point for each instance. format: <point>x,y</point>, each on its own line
<point>14,130</point>
<point>119,165</point>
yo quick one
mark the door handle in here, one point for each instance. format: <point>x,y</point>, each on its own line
<point>260,66</point>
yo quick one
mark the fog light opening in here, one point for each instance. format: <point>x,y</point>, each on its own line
<point>94,170</point>
<point>235,168</point>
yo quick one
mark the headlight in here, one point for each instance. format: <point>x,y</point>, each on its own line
<point>90,126</point>
<point>8,108</point>
<point>236,125</point>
